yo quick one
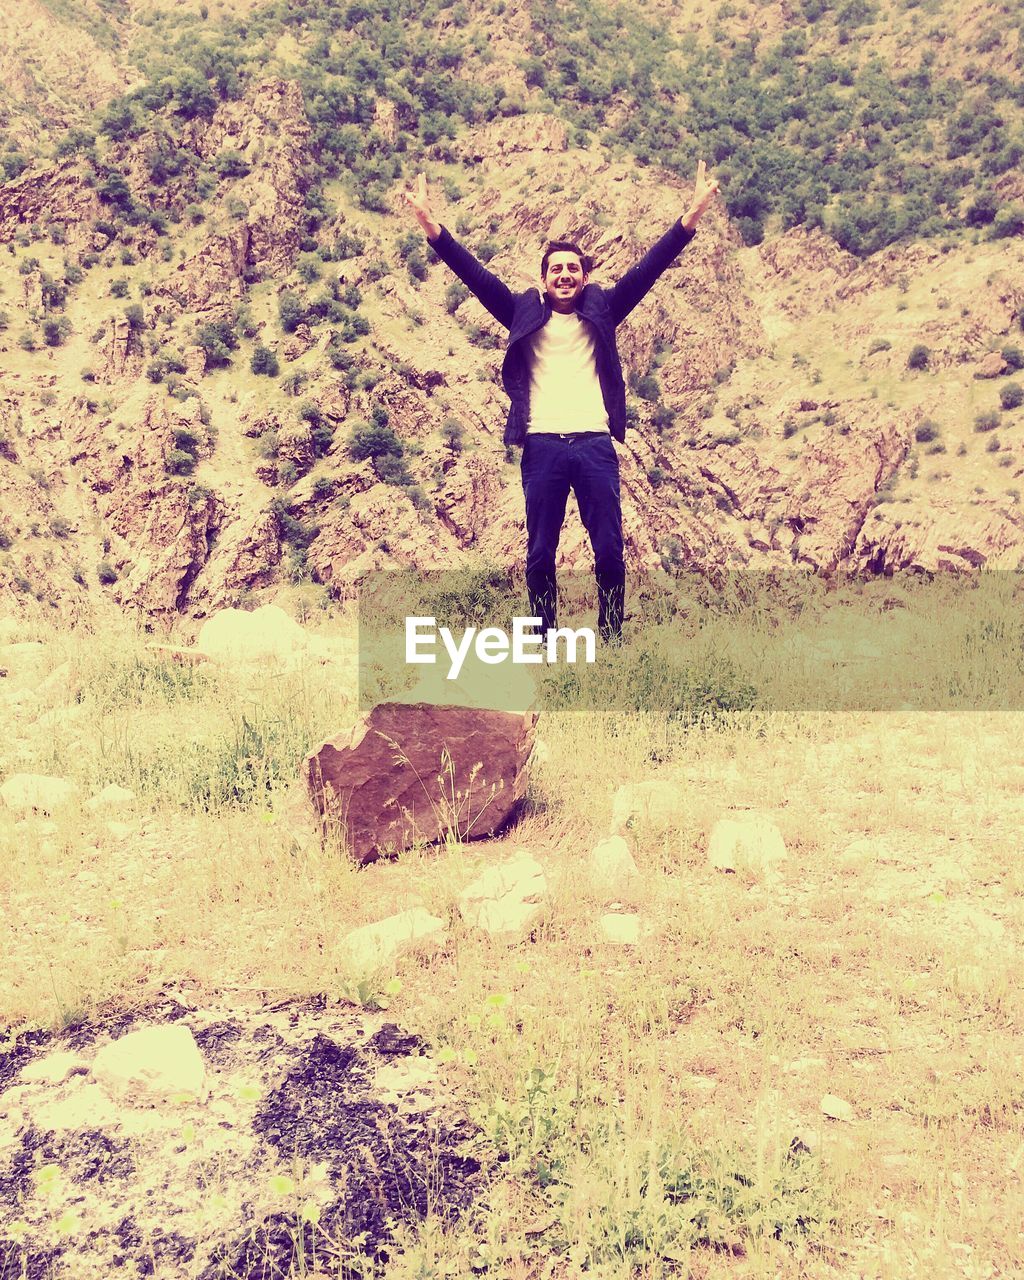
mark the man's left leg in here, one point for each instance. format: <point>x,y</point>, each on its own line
<point>596,485</point>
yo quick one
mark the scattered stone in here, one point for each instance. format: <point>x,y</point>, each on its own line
<point>991,365</point>
<point>612,866</point>
<point>412,772</point>
<point>53,1069</point>
<point>20,699</point>
<point>237,635</point>
<point>111,797</point>
<point>58,681</point>
<point>506,898</point>
<point>87,1107</point>
<point>38,827</point>
<point>623,930</point>
<point>746,843</point>
<point>121,830</point>
<point>154,1065</point>
<point>23,791</point>
<point>374,945</point>
<point>396,1080</point>
<point>655,803</point>
<point>806,1064</point>
<point>836,1108</point>
<point>175,653</point>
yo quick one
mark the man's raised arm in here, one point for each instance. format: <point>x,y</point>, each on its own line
<point>496,296</point>
<point>639,279</point>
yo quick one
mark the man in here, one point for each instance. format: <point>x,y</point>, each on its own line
<point>568,400</point>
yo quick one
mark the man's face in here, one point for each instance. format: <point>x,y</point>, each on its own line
<point>564,280</point>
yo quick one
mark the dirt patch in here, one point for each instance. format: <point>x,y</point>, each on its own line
<point>296,1154</point>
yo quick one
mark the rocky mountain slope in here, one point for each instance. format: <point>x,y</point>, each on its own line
<point>795,406</point>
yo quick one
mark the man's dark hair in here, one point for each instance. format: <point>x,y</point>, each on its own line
<point>565,246</point>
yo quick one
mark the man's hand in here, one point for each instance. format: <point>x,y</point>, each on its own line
<point>704,192</point>
<point>419,202</point>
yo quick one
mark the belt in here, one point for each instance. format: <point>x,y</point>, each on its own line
<point>568,435</point>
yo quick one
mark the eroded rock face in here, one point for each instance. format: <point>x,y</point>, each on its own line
<point>530,132</point>
<point>120,353</point>
<point>270,130</point>
<point>56,194</point>
<point>410,772</point>
<point>211,277</point>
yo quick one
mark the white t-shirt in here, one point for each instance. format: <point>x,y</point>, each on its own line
<point>565,392</point>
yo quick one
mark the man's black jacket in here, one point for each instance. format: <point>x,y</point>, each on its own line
<point>524,313</point>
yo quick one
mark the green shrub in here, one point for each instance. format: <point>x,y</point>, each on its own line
<point>231,164</point>
<point>452,434</point>
<point>1011,395</point>
<point>918,357</point>
<point>290,311</point>
<point>379,443</point>
<point>106,572</point>
<point>264,361</point>
<point>986,421</point>
<point>179,462</point>
<point>454,296</point>
<point>217,339</point>
<point>926,431</point>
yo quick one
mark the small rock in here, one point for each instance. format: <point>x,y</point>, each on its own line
<point>506,898</point>
<point>541,752</point>
<point>24,791</point>
<point>154,1065</point>
<point>623,930</point>
<point>659,804</point>
<point>121,830</point>
<point>111,797</point>
<point>836,1108</point>
<point>373,945</point>
<point>53,1069</point>
<point>612,866</point>
<point>394,1080</point>
<point>87,1107</point>
<point>748,843</point>
<point>239,635</point>
<point>56,682</point>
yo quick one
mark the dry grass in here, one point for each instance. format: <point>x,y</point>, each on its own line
<point>881,969</point>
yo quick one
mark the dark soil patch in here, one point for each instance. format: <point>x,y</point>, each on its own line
<point>16,1176</point>
<point>216,1040</point>
<point>18,1264</point>
<point>386,1162</point>
<point>391,1042</point>
<point>393,1167</point>
<point>26,1048</point>
<point>83,1155</point>
<point>116,1023</point>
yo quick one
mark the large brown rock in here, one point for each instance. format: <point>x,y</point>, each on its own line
<point>416,771</point>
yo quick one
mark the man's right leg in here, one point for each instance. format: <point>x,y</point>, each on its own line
<point>545,472</point>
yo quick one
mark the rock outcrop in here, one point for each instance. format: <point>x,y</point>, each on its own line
<point>411,772</point>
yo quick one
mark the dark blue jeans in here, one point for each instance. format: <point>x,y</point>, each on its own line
<point>587,464</point>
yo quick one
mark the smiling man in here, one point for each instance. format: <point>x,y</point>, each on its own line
<point>568,398</point>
